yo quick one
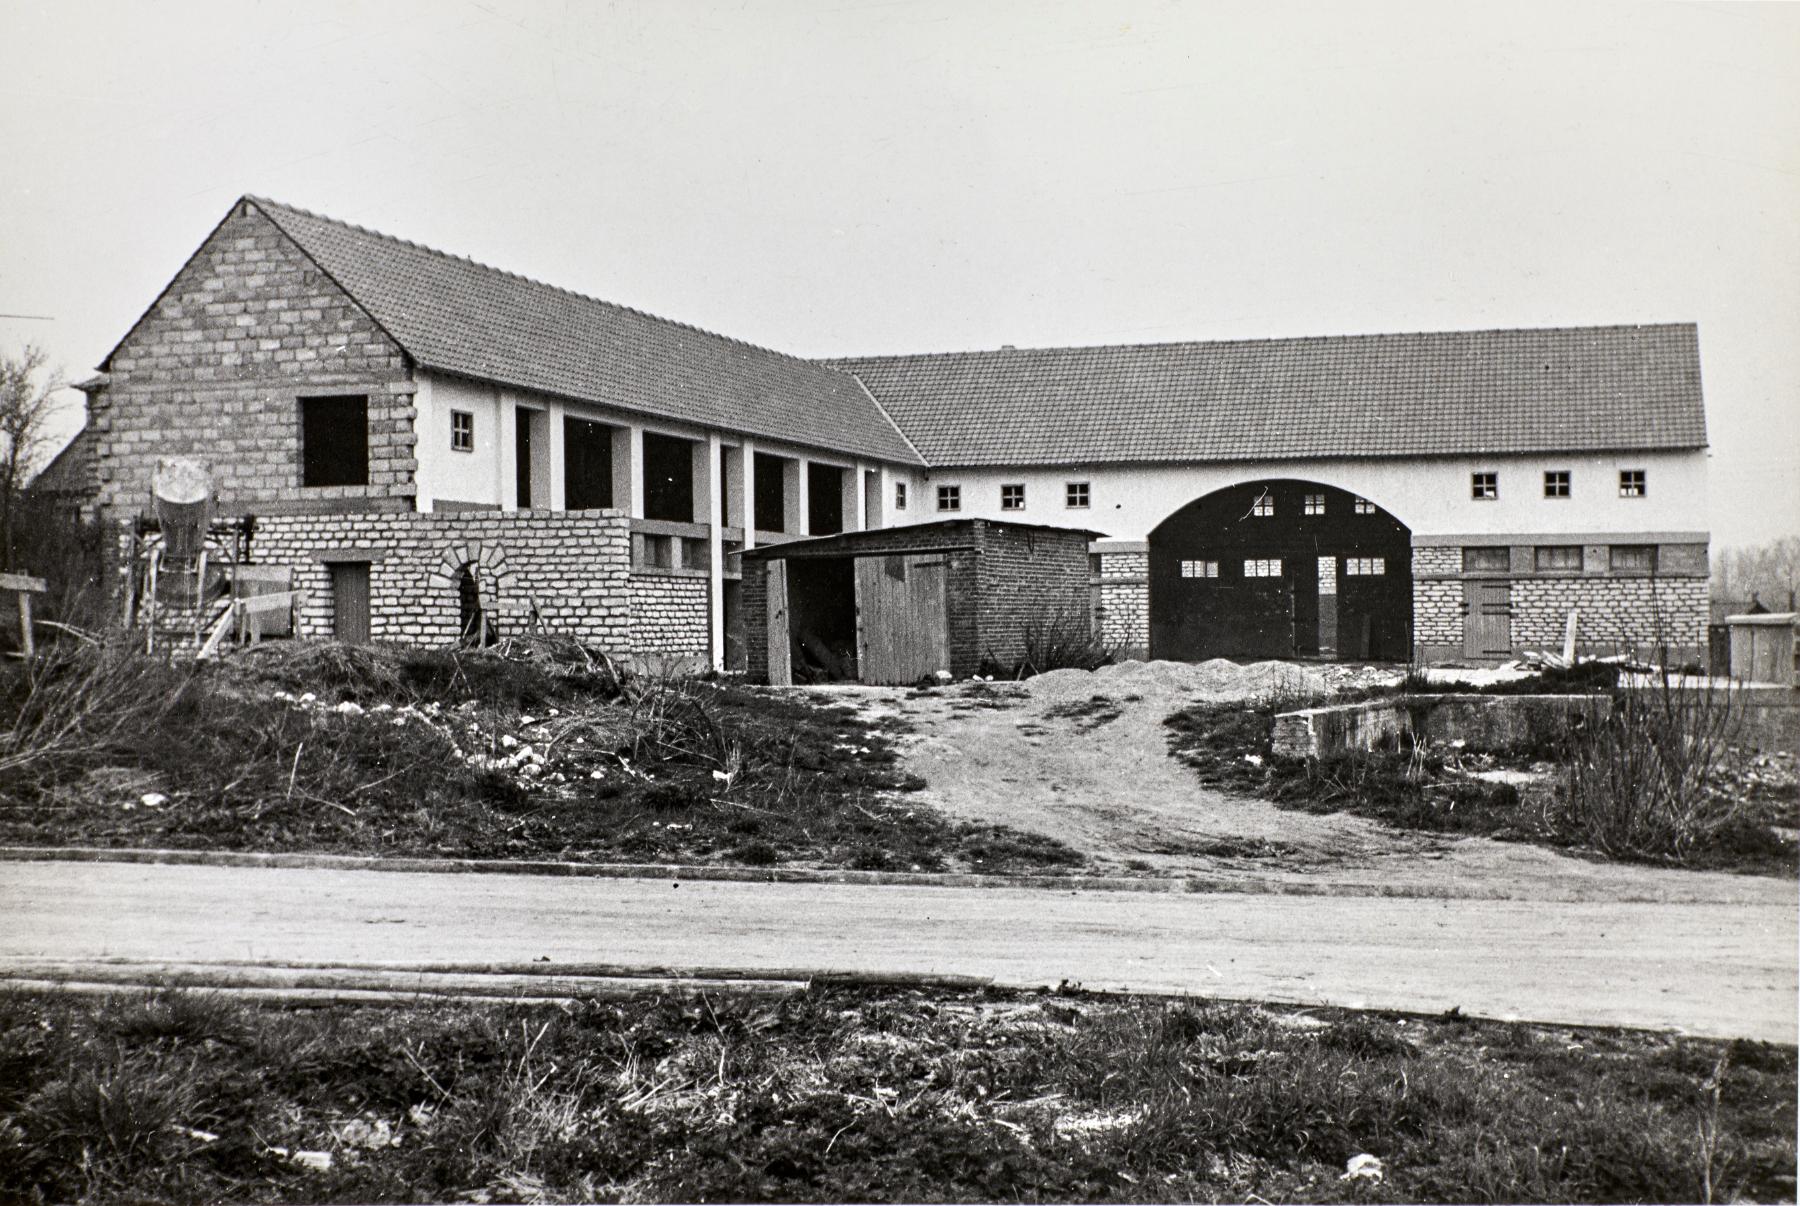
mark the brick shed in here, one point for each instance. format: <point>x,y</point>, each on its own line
<point>894,605</point>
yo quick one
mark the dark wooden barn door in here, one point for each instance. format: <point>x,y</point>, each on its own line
<point>350,602</point>
<point>902,618</point>
<point>1487,619</point>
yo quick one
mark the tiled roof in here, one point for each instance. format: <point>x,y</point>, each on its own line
<point>457,316</point>
<point>1480,392</point>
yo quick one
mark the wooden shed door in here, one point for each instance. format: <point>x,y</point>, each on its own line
<point>781,660</point>
<point>350,602</point>
<point>1487,619</point>
<point>902,617</point>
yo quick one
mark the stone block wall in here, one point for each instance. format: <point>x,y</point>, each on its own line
<point>1437,596</point>
<point>215,370</point>
<point>1121,600</point>
<point>569,569</point>
<point>669,614</point>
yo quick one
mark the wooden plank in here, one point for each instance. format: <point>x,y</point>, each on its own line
<point>23,582</point>
<point>781,658</point>
<point>257,605</point>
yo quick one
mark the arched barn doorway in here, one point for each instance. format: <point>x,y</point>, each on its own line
<point>1281,568</point>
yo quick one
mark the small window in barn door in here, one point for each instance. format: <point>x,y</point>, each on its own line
<point>1263,567</point>
<point>1314,504</point>
<point>1363,506</point>
<point>1199,569</point>
<point>1263,505</point>
<point>1012,497</point>
<point>1364,567</point>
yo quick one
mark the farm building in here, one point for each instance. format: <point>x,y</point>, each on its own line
<point>899,604</point>
<point>426,441</point>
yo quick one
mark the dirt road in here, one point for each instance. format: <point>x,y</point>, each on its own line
<point>1722,970</point>
<point>1045,756</point>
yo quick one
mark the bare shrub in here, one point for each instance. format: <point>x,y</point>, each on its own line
<point>61,711</point>
<point>1059,640</point>
<point>1641,782</point>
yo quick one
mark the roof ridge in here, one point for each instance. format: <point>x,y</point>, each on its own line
<point>530,280</point>
<point>836,361</point>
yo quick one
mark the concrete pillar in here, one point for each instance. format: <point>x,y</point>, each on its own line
<point>628,471</point>
<point>747,491</point>
<point>853,500</point>
<point>554,496</point>
<point>506,464</point>
<point>799,510</point>
<point>715,552</point>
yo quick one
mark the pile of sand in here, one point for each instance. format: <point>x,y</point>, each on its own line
<point>1218,679</point>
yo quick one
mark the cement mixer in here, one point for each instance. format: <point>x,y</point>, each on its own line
<point>181,494</point>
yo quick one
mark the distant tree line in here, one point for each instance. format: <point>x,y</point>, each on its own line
<point>1767,573</point>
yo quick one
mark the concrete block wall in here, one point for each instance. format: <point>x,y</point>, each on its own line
<point>573,567</point>
<point>1121,600</point>
<point>215,370</point>
<point>1637,613</point>
<point>1437,596</point>
<point>669,614</point>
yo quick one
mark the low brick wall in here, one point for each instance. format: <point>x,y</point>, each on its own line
<point>571,567</point>
<point>1484,722</point>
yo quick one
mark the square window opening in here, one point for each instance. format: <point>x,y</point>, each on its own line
<point>1556,483</point>
<point>1076,494</point>
<point>1631,483</point>
<point>1484,486</point>
<point>1012,497</point>
<point>949,498</point>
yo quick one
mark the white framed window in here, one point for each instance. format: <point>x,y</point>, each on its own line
<point>1264,506</point>
<point>1314,504</point>
<point>1012,497</point>
<point>1075,494</point>
<point>1363,506</point>
<point>1632,483</point>
<point>462,431</point>
<point>1365,567</point>
<point>1263,567</point>
<point>899,496</point>
<point>949,498</point>
<point>1484,485</point>
<point>1199,569</point>
<point>1556,483</point>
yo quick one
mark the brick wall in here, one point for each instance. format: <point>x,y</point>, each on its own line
<point>1121,599</point>
<point>215,369</point>
<point>1437,596</point>
<point>573,567</point>
<point>669,614</point>
<point>1029,580</point>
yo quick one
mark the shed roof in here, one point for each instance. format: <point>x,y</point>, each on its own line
<point>879,539</point>
<point>458,316</point>
<point>1567,389</point>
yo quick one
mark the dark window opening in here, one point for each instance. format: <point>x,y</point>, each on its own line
<point>1488,559</point>
<point>899,496</point>
<point>1631,483</point>
<point>668,478</point>
<point>522,464</point>
<point>949,498</point>
<point>771,493</point>
<point>1012,497</point>
<point>462,431</point>
<point>824,499</point>
<point>334,441</point>
<point>1076,494</point>
<point>1484,485</point>
<point>1556,483</point>
<point>587,465</point>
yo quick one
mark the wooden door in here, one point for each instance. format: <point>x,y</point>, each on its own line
<point>1487,619</point>
<point>902,617</point>
<point>350,601</point>
<point>781,659</point>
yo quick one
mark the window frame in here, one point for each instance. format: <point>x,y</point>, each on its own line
<point>899,496</point>
<point>949,498</point>
<point>1012,496</point>
<point>1362,506</point>
<point>1649,558</point>
<point>1312,504</point>
<point>1542,554</point>
<point>1365,567</point>
<point>1634,483</point>
<point>462,431</point>
<point>1484,485</point>
<point>1074,490</point>
<point>1263,505</point>
<point>1266,567</point>
<point>1482,550</point>
<point>1199,568</point>
<point>1559,483</point>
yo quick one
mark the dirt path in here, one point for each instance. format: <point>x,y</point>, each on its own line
<point>1045,756</point>
<point>1704,968</point>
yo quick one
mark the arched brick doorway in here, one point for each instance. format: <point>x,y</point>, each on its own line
<point>1281,568</point>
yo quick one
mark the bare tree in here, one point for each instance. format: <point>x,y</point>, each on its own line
<point>26,394</point>
<point>1769,571</point>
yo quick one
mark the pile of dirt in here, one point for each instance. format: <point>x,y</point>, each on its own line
<point>1219,679</point>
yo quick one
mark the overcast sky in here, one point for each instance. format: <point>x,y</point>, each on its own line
<point>838,177</point>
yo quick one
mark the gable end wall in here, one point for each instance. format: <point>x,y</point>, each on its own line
<point>216,367</point>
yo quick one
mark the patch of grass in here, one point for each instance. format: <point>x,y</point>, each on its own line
<point>865,1095</point>
<point>472,754</point>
